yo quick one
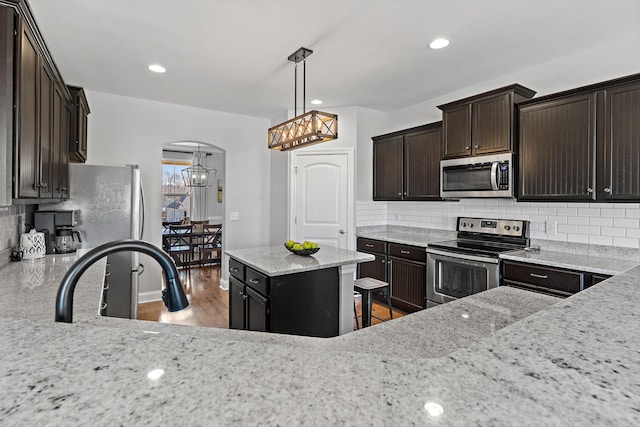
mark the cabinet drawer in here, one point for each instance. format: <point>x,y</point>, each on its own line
<point>370,245</point>
<point>566,281</point>
<point>257,281</point>
<point>236,269</point>
<point>414,253</point>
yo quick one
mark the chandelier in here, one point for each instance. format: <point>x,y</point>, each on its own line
<point>308,128</point>
<point>198,175</point>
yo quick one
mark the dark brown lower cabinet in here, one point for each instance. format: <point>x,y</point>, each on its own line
<point>556,281</point>
<point>305,303</point>
<point>402,266</point>
<point>407,276</point>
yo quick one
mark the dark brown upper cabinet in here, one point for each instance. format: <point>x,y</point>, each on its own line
<point>36,115</point>
<point>582,144</point>
<point>618,176</point>
<point>406,164</point>
<point>557,148</point>
<point>78,126</point>
<point>481,124</point>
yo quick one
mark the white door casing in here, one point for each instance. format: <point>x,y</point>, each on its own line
<point>321,201</point>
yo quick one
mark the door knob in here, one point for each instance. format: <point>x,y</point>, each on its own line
<point>342,231</point>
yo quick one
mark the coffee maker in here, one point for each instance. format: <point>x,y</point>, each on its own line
<point>57,226</point>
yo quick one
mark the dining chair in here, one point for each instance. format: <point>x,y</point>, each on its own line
<point>179,245</point>
<point>211,242</point>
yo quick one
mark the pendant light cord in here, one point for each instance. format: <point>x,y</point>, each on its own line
<point>295,91</point>
<point>304,85</point>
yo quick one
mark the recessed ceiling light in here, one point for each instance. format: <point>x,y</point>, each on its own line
<point>439,43</point>
<point>157,68</point>
<point>155,374</point>
<point>316,101</point>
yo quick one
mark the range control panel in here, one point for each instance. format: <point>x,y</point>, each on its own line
<point>499,227</point>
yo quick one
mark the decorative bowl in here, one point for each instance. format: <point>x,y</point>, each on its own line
<point>302,252</point>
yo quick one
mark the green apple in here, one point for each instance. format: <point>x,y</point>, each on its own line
<point>314,245</point>
<point>297,247</point>
<point>307,245</point>
<point>290,244</point>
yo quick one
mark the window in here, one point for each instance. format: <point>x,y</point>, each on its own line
<point>176,197</point>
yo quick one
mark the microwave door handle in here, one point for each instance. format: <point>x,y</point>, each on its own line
<point>494,176</point>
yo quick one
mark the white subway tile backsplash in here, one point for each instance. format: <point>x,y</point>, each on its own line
<point>611,212</point>
<point>595,231</point>
<point>612,224</point>
<point>577,238</point>
<point>626,222</point>
<point>588,212</point>
<point>601,240</point>
<point>601,222</point>
<point>610,231</point>
<point>578,220</point>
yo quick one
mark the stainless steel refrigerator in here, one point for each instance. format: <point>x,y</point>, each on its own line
<point>108,202</point>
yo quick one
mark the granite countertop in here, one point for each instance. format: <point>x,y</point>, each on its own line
<point>28,288</point>
<point>277,260</point>
<point>572,362</point>
<point>419,237</point>
<point>592,264</point>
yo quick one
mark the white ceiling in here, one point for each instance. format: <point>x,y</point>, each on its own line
<point>232,55</point>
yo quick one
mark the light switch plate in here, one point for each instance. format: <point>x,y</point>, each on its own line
<point>234,216</point>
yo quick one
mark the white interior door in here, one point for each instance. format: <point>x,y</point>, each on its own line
<point>321,192</point>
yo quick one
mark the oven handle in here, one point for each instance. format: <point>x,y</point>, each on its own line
<point>494,176</point>
<point>464,257</point>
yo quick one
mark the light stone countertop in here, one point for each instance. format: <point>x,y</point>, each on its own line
<point>592,264</point>
<point>419,238</point>
<point>575,362</point>
<point>277,260</point>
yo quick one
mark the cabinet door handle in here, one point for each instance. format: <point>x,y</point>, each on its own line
<point>607,190</point>
<point>477,145</point>
<point>589,190</point>
<point>399,194</point>
<point>105,287</point>
<point>405,193</point>
<point>539,276</point>
<point>369,245</point>
<point>254,281</point>
<point>44,185</point>
<point>103,307</point>
<point>467,148</point>
<point>405,252</point>
<point>107,274</point>
<point>245,296</point>
<point>383,261</point>
<point>234,269</point>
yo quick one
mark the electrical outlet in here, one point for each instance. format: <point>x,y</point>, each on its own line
<point>552,227</point>
<point>234,216</point>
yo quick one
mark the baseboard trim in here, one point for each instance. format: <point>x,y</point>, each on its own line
<point>224,284</point>
<point>149,296</point>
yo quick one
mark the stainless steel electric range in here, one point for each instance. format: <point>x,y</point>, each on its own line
<point>471,263</point>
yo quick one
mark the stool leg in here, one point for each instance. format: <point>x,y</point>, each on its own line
<point>355,314</point>
<point>388,294</point>
<point>366,309</point>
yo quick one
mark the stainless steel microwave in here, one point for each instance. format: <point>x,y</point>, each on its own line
<point>482,176</point>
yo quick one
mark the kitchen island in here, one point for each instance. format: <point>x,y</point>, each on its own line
<point>519,358</point>
<point>274,290</point>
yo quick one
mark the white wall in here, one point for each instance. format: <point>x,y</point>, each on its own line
<point>130,130</point>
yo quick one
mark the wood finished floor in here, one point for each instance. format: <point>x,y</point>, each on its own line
<point>209,304</point>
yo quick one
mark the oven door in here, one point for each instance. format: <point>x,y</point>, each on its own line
<point>452,275</point>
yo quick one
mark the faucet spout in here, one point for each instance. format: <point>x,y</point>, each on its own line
<point>173,296</point>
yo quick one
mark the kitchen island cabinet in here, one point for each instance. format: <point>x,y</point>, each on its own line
<point>273,290</point>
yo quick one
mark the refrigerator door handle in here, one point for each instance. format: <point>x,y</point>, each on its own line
<point>140,269</point>
<point>141,211</point>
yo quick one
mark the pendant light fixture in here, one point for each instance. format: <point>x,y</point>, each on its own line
<point>198,175</point>
<point>308,128</point>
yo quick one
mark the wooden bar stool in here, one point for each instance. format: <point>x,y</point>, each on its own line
<point>367,286</point>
